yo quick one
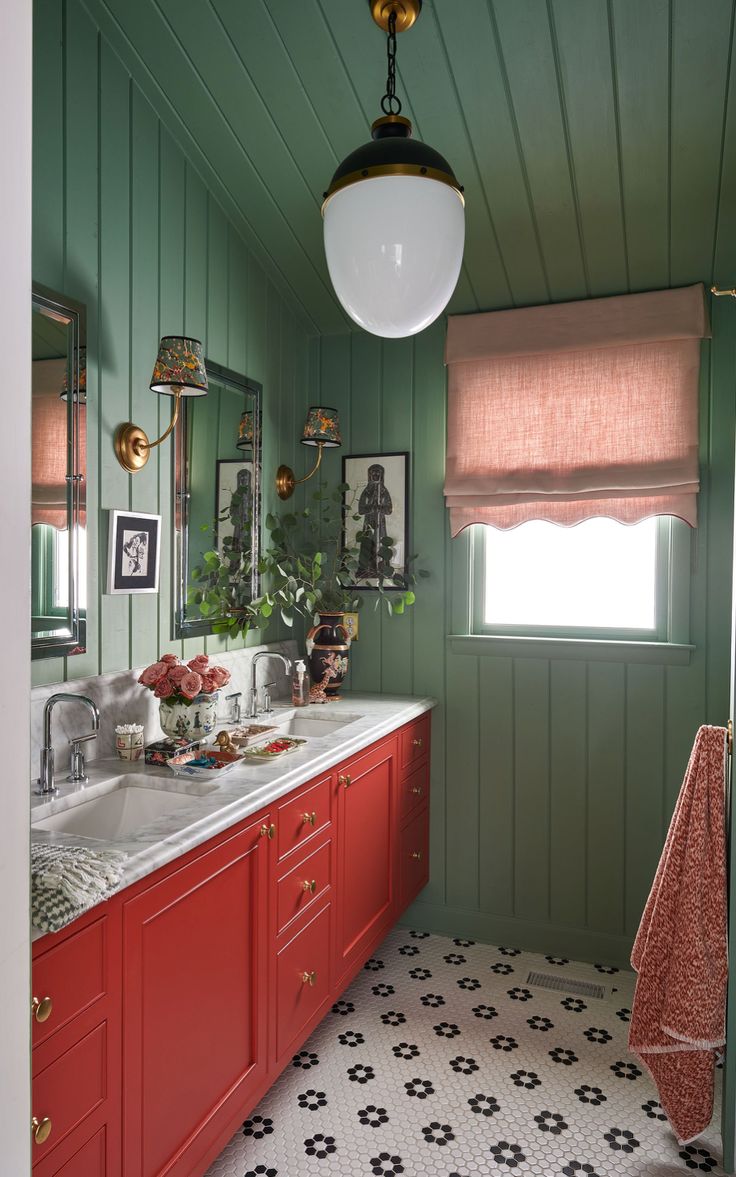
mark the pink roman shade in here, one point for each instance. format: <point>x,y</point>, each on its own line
<point>574,410</point>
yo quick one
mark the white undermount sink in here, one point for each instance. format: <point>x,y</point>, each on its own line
<point>310,725</point>
<point>128,804</point>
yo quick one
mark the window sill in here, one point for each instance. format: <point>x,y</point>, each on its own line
<point>574,649</point>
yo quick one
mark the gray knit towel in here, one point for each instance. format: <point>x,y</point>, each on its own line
<point>68,880</point>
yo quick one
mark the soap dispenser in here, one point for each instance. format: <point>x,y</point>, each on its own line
<point>300,685</point>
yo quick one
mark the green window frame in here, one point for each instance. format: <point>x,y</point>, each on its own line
<point>672,588</point>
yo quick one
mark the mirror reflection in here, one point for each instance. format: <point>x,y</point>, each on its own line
<point>58,522</point>
<point>217,494</point>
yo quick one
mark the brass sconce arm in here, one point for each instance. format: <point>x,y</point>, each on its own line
<point>132,447</point>
<point>285,480</point>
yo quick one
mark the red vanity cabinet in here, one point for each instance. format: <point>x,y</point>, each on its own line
<point>176,1004</point>
<point>76,1064</point>
<point>195,1046</point>
<point>366,823</point>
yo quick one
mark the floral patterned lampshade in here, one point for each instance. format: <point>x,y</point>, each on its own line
<point>322,427</point>
<point>245,431</point>
<point>179,366</point>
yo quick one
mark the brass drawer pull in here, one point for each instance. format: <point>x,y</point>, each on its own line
<point>310,979</point>
<point>268,831</point>
<point>417,741</point>
<point>309,885</point>
<point>416,854</point>
<point>41,1129</point>
<point>418,790</point>
<point>41,1008</point>
<point>344,779</point>
<point>309,819</point>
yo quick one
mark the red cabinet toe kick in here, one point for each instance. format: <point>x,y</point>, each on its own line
<point>162,1017</point>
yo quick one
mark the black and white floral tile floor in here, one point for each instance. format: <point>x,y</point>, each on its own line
<point>441,1060</point>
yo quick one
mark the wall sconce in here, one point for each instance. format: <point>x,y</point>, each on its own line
<point>245,431</point>
<point>321,428</point>
<point>179,371</point>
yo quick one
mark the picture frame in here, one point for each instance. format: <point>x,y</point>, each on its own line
<point>134,552</point>
<point>228,475</point>
<point>379,494</point>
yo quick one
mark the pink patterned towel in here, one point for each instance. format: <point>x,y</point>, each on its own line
<point>680,953</point>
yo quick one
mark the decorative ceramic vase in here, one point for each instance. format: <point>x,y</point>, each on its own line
<point>328,646</point>
<point>192,720</point>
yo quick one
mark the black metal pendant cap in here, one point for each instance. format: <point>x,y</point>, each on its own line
<point>392,152</point>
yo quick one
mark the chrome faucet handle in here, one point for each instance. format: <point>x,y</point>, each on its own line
<point>77,770</point>
<point>267,708</point>
<point>235,706</point>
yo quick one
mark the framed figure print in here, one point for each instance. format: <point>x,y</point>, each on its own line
<point>234,504</point>
<point>378,497</point>
<point>134,552</point>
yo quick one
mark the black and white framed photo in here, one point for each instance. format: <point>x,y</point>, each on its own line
<point>379,497</point>
<point>134,552</point>
<point>234,503</point>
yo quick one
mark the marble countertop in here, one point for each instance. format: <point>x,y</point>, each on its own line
<point>242,791</point>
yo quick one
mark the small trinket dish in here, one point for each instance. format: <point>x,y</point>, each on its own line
<point>203,764</point>
<point>273,749</point>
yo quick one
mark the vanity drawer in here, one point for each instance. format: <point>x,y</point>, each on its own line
<point>71,1088</point>
<point>71,976</point>
<point>414,742</point>
<point>413,790</point>
<point>303,816</point>
<point>303,885</point>
<point>302,979</point>
<point>88,1161</point>
<point>414,857</point>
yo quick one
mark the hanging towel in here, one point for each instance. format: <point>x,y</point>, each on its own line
<point>680,951</point>
<point>68,880</point>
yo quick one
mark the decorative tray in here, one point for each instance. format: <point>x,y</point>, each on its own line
<point>273,749</point>
<point>204,764</point>
<point>250,733</point>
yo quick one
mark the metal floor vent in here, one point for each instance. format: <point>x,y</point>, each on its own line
<point>568,985</point>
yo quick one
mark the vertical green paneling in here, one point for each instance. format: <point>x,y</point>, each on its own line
<point>496,816</point>
<point>366,400</point>
<point>645,745</point>
<point>462,781</point>
<point>531,789</point>
<point>123,223</point>
<point>606,795</point>
<point>568,748</point>
<point>397,409</point>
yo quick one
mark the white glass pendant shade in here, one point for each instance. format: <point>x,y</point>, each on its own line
<point>394,247</point>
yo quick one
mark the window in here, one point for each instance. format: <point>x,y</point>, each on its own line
<point>600,579</point>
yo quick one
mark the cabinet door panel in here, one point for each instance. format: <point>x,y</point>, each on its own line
<point>72,975</point>
<point>414,857</point>
<point>71,1088</point>
<point>366,830</point>
<point>302,980</point>
<point>87,1161</point>
<point>194,1036</point>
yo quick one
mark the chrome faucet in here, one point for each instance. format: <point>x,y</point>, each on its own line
<point>45,781</point>
<point>253,700</point>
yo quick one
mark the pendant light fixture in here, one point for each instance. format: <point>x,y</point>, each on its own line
<point>394,214</point>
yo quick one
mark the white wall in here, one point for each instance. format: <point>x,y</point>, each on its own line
<point>15,497</point>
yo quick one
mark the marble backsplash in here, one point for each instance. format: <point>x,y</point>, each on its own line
<point>120,699</point>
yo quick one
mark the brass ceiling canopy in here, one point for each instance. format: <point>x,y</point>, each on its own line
<point>406,12</point>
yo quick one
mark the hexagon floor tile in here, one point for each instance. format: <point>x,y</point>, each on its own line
<point>442,1060</point>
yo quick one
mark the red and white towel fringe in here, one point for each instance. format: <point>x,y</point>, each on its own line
<point>680,951</point>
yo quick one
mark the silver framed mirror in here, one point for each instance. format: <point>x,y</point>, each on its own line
<point>217,493</point>
<point>59,466</point>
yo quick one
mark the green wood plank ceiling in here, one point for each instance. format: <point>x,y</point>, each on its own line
<point>595,138</point>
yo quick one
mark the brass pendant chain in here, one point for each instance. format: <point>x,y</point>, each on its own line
<point>390,103</point>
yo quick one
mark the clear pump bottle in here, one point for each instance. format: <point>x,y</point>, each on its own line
<point>300,685</point>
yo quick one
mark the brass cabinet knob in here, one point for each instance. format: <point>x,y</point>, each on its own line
<point>41,1129</point>
<point>344,779</point>
<point>416,854</point>
<point>309,819</point>
<point>417,742</point>
<point>41,1008</point>
<point>268,831</point>
<point>310,979</point>
<point>418,790</point>
<point>309,885</point>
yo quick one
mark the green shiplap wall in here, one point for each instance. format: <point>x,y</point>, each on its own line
<point>124,223</point>
<point>553,781</point>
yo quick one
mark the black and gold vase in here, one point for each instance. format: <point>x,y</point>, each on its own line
<point>329,648</point>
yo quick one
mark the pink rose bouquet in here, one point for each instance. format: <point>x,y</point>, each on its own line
<point>181,682</point>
